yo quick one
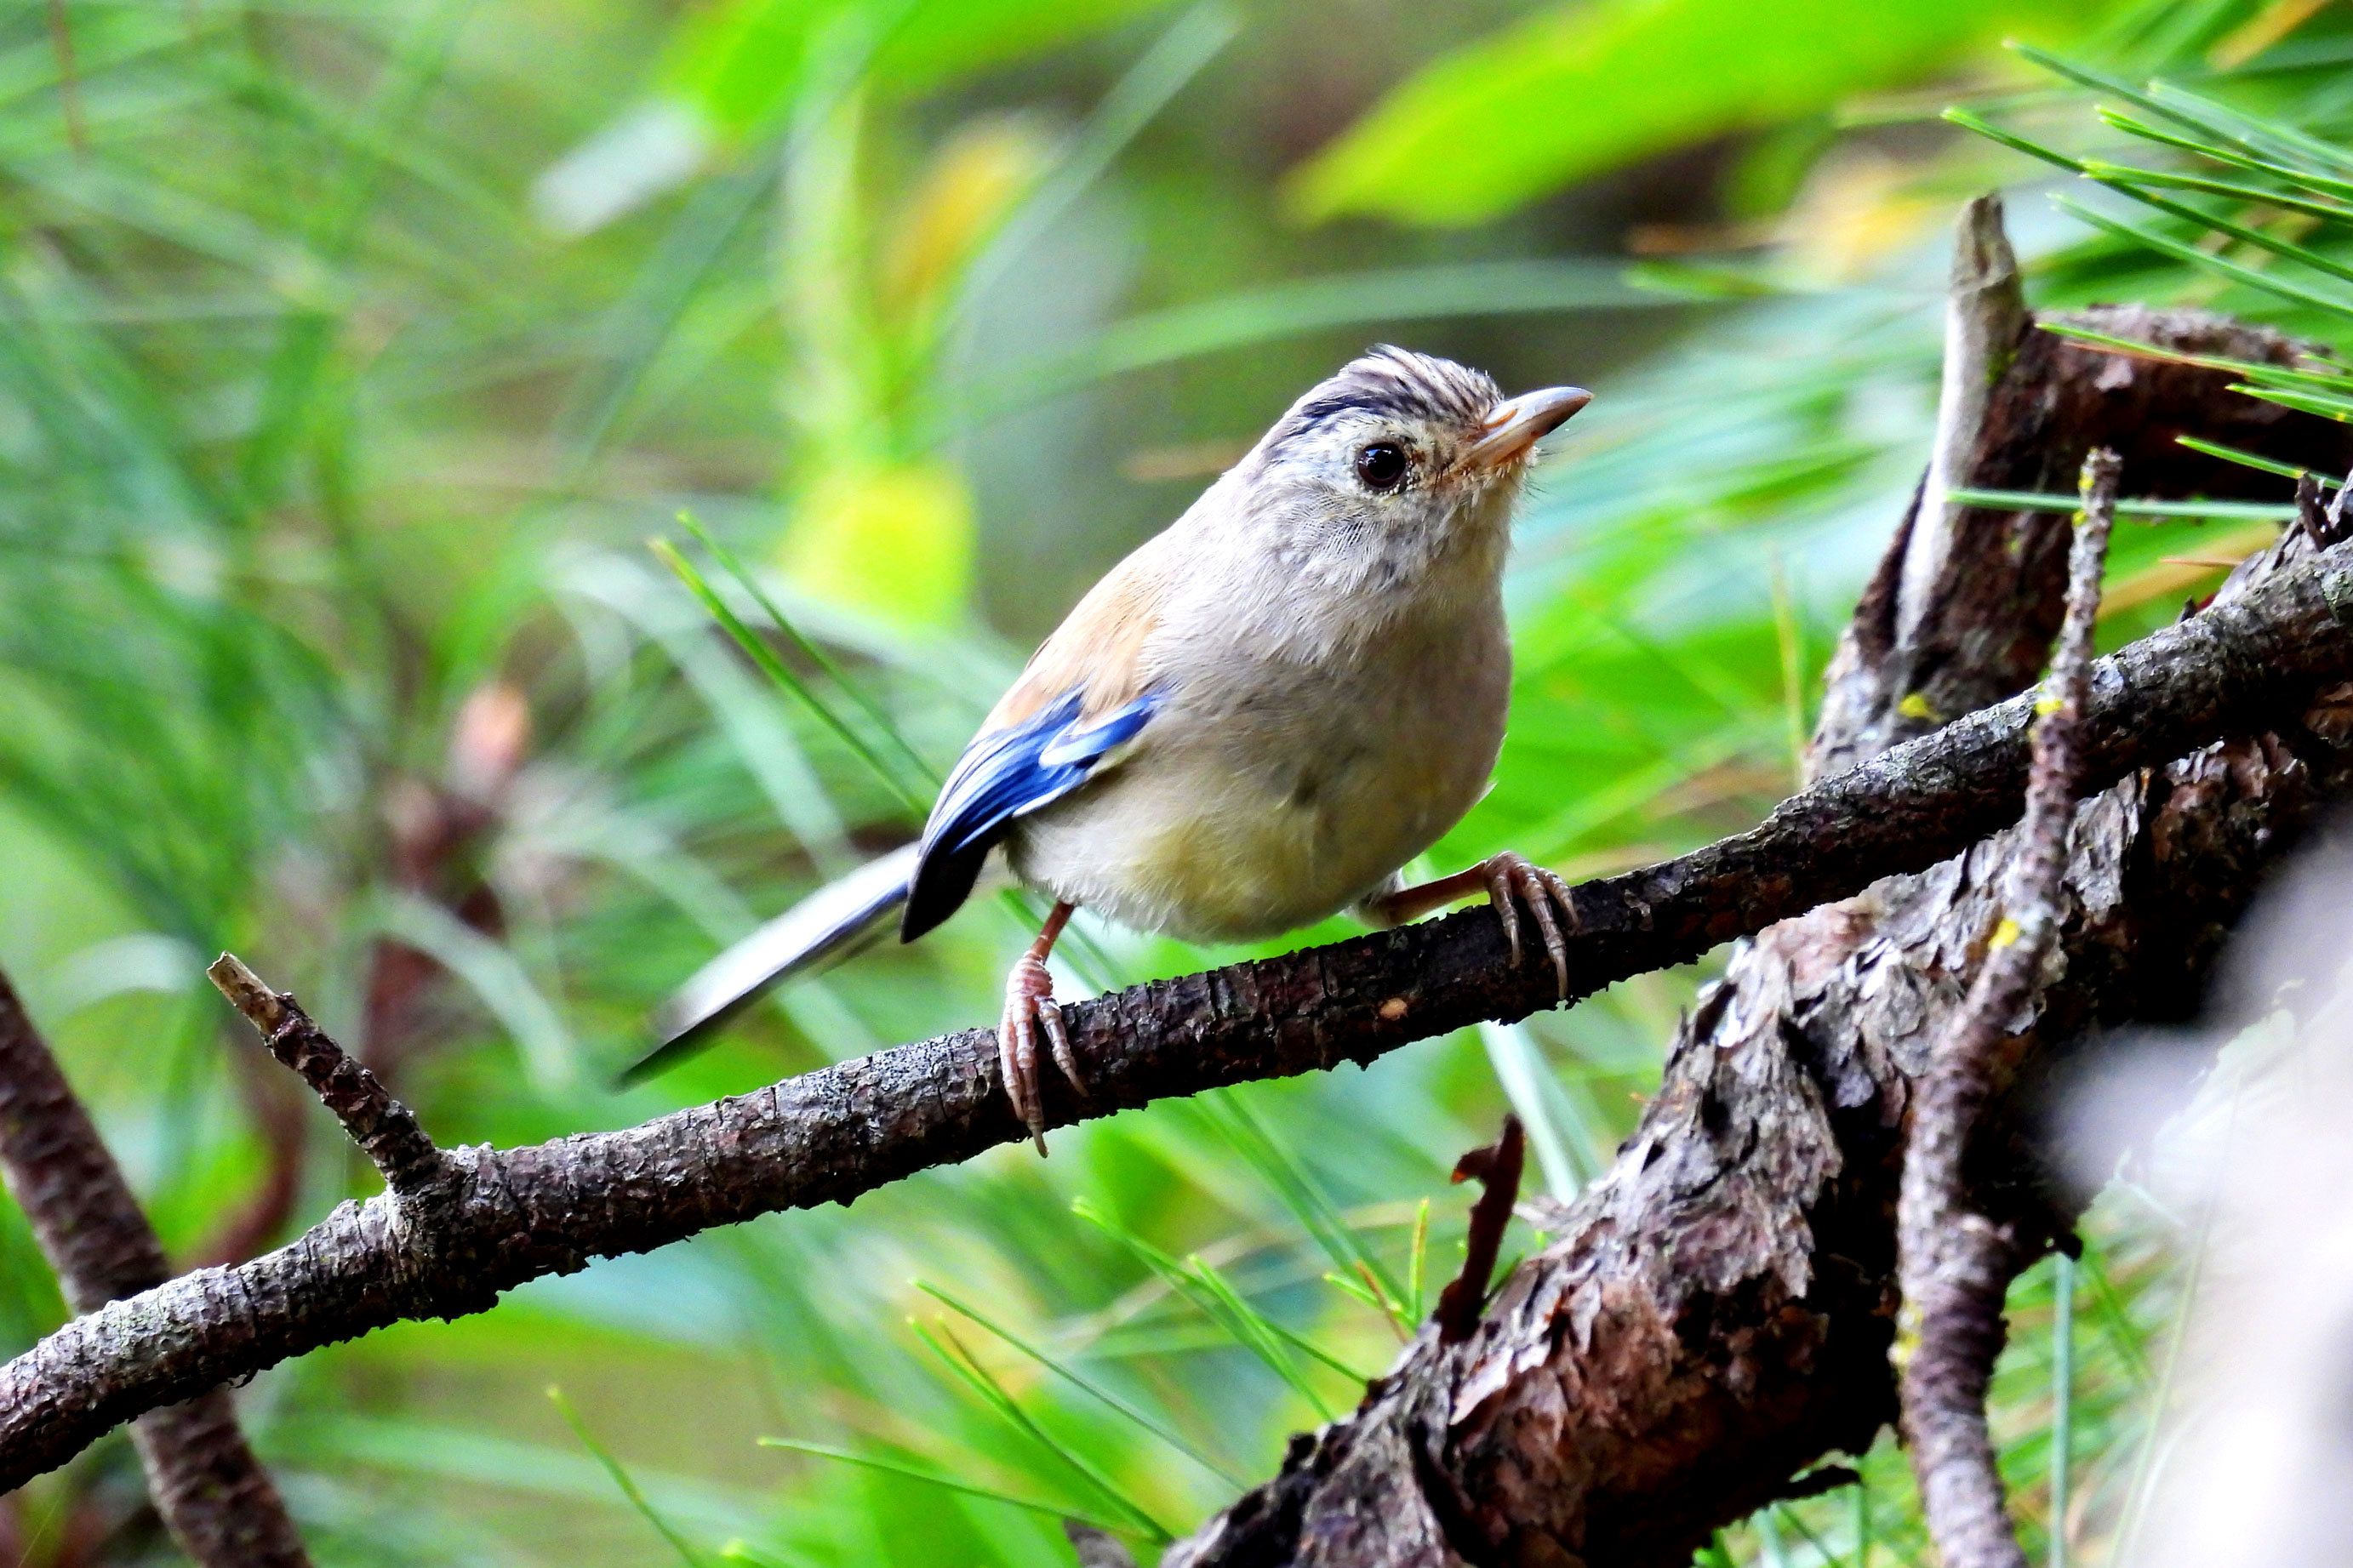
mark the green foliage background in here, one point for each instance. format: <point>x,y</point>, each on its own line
<point>350,356</point>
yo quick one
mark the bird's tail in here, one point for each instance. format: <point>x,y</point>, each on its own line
<point>837,917</point>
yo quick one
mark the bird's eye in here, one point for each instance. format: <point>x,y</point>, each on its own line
<point>1381,466</point>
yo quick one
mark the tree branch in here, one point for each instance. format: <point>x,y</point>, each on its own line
<point>518,1213</point>
<point>1955,1265</point>
<point>213,1494</point>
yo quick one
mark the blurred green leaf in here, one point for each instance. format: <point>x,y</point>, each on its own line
<point>2256,461</point>
<point>1580,88</point>
<point>757,650</point>
<point>1061,1368</point>
<point>621,1479</point>
<point>2032,501</point>
<point>894,540</point>
<point>1292,1182</point>
<point>732,70</point>
<point>2125,174</point>
<point>2320,375</point>
<point>738,60</point>
<point>1206,1287</point>
<point>945,1482</point>
<point>944,1343</point>
<point>2322,404</point>
<point>2268,282</point>
<point>1304,305</point>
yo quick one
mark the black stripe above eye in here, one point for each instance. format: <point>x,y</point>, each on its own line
<point>1399,401</point>
<point>1392,384</point>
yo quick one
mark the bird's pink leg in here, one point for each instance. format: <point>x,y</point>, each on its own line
<point>1029,1007</point>
<point>1509,881</point>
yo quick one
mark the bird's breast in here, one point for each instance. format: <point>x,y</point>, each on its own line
<point>1272,790</point>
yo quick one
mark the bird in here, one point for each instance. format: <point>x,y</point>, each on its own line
<point>1255,721</point>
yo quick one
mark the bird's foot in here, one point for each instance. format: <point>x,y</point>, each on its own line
<point>1030,1009</point>
<point>1511,881</point>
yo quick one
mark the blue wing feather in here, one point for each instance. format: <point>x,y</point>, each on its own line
<point>1003,775</point>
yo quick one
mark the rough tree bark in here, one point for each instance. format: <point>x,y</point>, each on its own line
<point>213,1494</point>
<point>1717,1311</point>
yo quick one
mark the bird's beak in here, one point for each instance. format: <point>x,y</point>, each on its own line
<point>1516,424</point>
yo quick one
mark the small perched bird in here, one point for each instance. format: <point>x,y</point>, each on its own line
<point>1254,721</point>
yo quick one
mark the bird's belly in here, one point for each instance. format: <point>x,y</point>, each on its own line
<point>1241,830</point>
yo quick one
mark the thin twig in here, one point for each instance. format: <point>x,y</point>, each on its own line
<point>1496,1167</point>
<point>1955,1265</point>
<point>387,1131</point>
<point>213,1494</point>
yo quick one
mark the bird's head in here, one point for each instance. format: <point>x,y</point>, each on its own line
<point>1401,449</point>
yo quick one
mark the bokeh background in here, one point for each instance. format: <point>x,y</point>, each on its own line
<point>353,356</point>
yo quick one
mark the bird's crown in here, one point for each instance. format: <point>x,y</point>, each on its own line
<point>1395,383</point>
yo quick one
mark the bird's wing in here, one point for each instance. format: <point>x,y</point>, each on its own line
<point>1084,697</point>
<point>1004,774</point>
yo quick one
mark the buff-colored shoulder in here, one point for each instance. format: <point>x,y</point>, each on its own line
<point>1098,648</point>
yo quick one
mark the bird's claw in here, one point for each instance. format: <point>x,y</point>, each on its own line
<point>1029,1007</point>
<point>1513,880</point>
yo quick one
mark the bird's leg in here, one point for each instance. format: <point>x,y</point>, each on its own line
<point>1029,1007</point>
<point>1509,881</point>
